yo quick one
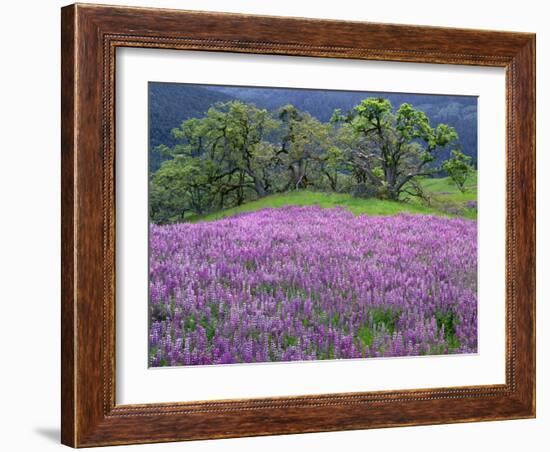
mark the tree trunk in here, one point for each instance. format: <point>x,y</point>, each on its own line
<point>240,191</point>
<point>391,182</point>
<point>259,187</point>
<point>298,174</point>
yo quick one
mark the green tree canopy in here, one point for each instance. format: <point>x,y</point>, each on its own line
<point>391,148</point>
<point>237,152</point>
<point>458,168</point>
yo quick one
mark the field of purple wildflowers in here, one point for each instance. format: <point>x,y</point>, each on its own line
<point>307,283</point>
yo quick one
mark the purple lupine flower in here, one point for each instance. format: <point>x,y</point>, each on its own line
<point>301,283</point>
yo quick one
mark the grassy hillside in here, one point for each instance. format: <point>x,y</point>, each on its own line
<point>446,200</point>
<point>309,198</point>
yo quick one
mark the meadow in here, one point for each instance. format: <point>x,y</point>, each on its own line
<point>315,226</point>
<point>310,276</point>
<point>445,198</point>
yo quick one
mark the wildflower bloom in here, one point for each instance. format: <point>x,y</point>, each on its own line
<point>307,283</point>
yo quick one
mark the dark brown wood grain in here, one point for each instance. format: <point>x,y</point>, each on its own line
<point>67,226</point>
<point>90,36</point>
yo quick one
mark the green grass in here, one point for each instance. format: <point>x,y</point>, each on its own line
<point>446,188</point>
<point>309,198</point>
<point>445,200</point>
<point>446,197</point>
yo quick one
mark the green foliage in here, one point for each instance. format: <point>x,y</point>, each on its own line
<point>171,104</point>
<point>447,322</point>
<point>366,335</point>
<point>378,319</point>
<point>209,328</point>
<point>358,206</point>
<point>444,196</point>
<point>305,150</point>
<point>238,154</point>
<point>391,148</point>
<point>458,167</point>
<point>219,160</point>
<point>289,341</point>
<point>386,318</point>
<point>179,186</point>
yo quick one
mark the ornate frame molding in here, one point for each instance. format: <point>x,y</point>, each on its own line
<point>90,37</point>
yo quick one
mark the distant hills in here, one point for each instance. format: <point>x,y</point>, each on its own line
<point>172,103</point>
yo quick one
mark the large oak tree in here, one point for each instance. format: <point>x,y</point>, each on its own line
<point>392,148</point>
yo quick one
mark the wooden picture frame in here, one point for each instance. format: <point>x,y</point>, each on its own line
<point>90,36</point>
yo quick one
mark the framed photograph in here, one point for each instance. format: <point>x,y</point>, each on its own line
<point>281,225</point>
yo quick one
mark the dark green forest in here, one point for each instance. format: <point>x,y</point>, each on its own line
<point>213,148</point>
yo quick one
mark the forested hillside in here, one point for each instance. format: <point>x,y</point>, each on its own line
<point>293,225</point>
<point>236,152</point>
<point>171,104</point>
